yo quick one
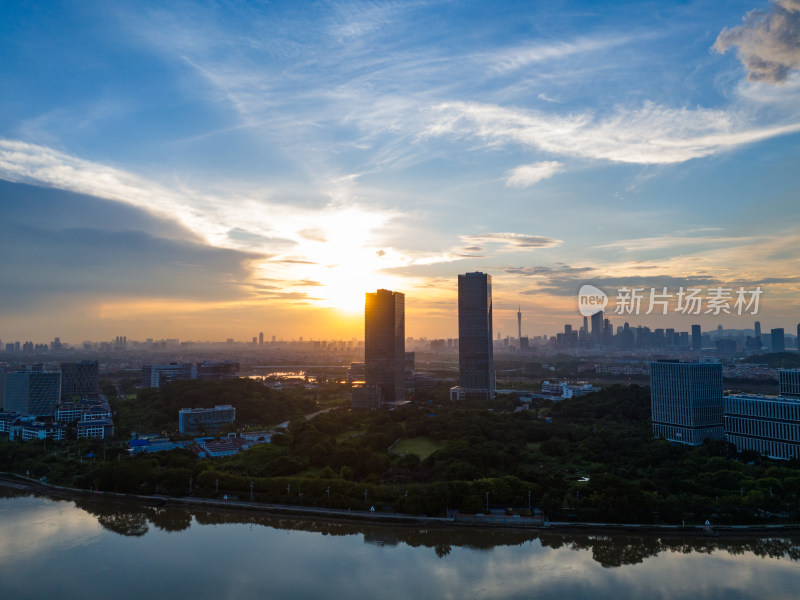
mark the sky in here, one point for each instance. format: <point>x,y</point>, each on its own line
<point>212,170</point>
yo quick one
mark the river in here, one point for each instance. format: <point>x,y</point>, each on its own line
<point>96,548</point>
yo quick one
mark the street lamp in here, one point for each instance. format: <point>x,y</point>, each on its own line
<point>487,502</point>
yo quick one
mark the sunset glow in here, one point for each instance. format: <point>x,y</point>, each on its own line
<point>223,171</point>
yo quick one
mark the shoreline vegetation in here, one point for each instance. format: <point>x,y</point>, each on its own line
<point>582,460</point>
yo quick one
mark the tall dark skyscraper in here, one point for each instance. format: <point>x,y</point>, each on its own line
<point>384,348</point>
<point>778,339</point>
<point>697,338</point>
<point>597,328</point>
<point>757,340</point>
<point>475,351</point>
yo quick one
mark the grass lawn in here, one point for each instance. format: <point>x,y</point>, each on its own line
<point>342,437</point>
<point>421,446</point>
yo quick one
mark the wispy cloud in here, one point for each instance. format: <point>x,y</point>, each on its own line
<point>526,175</point>
<point>511,59</point>
<point>668,242</point>
<point>356,91</point>
<point>545,271</point>
<point>648,134</point>
<point>513,241</point>
<point>295,243</point>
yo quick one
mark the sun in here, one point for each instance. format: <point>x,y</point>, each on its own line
<point>344,291</point>
<point>336,257</point>
<point>344,296</point>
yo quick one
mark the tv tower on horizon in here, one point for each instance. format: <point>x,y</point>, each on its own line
<point>519,323</point>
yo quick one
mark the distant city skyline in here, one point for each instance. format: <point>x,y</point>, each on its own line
<point>246,339</point>
<point>202,172</point>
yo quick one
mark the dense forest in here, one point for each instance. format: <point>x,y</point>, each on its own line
<point>157,410</point>
<point>589,459</point>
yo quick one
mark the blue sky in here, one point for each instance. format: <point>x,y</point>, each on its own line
<point>208,170</point>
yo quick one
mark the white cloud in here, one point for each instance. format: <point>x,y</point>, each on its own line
<point>512,59</point>
<point>526,175</point>
<point>768,43</point>
<point>298,242</point>
<point>648,134</point>
<point>667,242</point>
<point>349,99</point>
<point>512,241</point>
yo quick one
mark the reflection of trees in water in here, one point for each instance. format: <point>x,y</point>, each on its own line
<point>382,538</point>
<point>615,551</point>
<point>11,492</point>
<point>608,550</point>
<point>442,550</point>
<point>128,524</point>
<point>134,520</point>
<point>171,519</point>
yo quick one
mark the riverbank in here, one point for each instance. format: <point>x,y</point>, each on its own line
<point>14,480</point>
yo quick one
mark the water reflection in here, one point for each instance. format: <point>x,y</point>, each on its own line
<point>94,548</point>
<point>134,520</point>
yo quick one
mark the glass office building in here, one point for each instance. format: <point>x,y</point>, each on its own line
<point>686,401</point>
<point>475,350</point>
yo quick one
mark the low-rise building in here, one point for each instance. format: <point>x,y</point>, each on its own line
<point>36,430</point>
<point>156,444</point>
<point>7,419</point>
<point>768,425</point>
<point>194,421</point>
<point>789,382</point>
<point>85,409</point>
<point>216,371</point>
<point>96,428</point>
<point>563,389</point>
<point>211,448</point>
<point>156,376</point>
